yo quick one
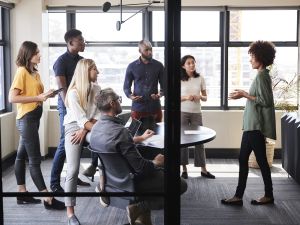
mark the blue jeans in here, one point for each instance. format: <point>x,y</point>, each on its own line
<point>29,145</point>
<point>60,154</point>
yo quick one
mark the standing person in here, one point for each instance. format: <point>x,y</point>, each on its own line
<point>258,122</point>
<point>81,115</point>
<point>27,91</point>
<point>64,69</point>
<point>193,91</point>
<point>145,73</point>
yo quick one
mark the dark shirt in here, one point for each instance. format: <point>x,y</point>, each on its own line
<point>65,66</point>
<point>109,135</point>
<point>146,78</point>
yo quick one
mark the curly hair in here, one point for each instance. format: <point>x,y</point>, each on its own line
<point>263,51</point>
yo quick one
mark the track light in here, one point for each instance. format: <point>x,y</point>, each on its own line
<point>107,5</point>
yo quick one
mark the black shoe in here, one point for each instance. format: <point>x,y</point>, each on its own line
<point>82,183</point>
<point>232,202</point>
<point>28,200</point>
<point>55,204</point>
<point>208,175</point>
<point>57,188</point>
<point>262,201</point>
<point>184,175</point>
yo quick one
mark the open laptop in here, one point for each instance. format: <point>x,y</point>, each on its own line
<point>133,126</point>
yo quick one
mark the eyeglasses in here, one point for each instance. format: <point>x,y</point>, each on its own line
<point>119,99</point>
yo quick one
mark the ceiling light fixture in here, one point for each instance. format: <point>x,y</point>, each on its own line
<point>107,5</point>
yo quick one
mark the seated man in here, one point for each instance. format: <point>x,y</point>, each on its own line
<point>109,135</point>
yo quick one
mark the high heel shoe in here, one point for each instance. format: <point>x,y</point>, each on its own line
<point>55,204</point>
<point>28,200</point>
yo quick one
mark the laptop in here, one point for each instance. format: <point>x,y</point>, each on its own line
<point>134,126</point>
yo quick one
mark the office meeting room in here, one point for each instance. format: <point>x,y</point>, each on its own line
<point>143,112</point>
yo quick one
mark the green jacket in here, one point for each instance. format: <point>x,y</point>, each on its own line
<point>260,114</point>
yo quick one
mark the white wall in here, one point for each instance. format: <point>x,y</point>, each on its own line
<point>227,124</point>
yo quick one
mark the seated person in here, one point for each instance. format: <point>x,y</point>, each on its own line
<point>109,135</point>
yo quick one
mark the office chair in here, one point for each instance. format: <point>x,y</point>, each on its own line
<point>118,177</point>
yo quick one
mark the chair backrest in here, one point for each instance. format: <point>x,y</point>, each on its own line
<point>118,177</point>
<point>117,173</point>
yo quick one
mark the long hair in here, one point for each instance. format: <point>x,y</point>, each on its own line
<point>80,81</point>
<point>27,50</point>
<point>183,74</point>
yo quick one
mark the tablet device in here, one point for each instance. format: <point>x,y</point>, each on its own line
<point>134,127</point>
<point>57,91</point>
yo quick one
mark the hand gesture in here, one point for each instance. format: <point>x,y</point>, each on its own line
<point>148,133</point>
<point>79,136</point>
<point>135,97</point>
<point>159,160</point>
<point>155,96</point>
<point>237,94</point>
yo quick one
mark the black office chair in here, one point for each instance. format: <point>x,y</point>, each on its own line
<point>118,177</point>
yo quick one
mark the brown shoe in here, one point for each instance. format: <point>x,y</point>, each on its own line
<point>144,219</point>
<point>133,212</point>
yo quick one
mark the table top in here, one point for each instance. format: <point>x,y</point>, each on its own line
<point>190,136</point>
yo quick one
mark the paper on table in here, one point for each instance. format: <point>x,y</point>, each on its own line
<point>155,140</point>
<point>193,132</point>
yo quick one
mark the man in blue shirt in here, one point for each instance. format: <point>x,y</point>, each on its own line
<point>145,73</point>
<point>64,69</point>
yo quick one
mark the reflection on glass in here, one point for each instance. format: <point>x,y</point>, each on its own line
<point>241,74</point>
<point>208,63</point>
<point>273,25</point>
<point>57,27</point>
<point>2,96</point>
<point>1,37</point>
<point>102,26</point>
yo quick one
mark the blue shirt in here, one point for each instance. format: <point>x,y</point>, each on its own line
<point>145,78</point>
<point>65,66</point>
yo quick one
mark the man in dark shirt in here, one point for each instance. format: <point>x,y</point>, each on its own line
<point>64,69</point>
<point>109,135</point>
<point>146,73</point>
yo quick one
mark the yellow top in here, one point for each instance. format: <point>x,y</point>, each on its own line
<point>29,85</point>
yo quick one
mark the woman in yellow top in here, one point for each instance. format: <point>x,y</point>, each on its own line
<point>27,91</point>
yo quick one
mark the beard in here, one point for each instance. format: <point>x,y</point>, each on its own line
<point>147,57</point>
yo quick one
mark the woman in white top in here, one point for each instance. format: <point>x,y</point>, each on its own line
<point>193,91</point>
<point>81,115</point>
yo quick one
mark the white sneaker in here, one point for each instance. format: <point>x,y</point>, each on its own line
<point>104,201</point>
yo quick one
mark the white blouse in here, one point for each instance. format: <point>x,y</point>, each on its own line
<point>193,86</point>
<point>75,113</point>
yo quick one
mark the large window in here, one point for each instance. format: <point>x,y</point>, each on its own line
<point>251,25</point>
<point>4,57</point>
<point>224,62</point>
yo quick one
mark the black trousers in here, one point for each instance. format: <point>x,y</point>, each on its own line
<point>253,140</point>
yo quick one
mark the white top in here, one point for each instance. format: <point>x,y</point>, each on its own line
<point>193,86</point>
<point>75,113</point>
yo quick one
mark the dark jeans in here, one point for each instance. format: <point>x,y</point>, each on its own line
<point>253,140</point>
<point>29,145</point>
<point>60,154</point>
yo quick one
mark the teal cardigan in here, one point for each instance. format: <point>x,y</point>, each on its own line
<point>260,113</point>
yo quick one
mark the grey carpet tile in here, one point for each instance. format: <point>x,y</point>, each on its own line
<point>200,205</point>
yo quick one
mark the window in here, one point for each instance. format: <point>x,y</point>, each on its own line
<point>251,25</point>
<point>4,58</point>
<point>223,63</point>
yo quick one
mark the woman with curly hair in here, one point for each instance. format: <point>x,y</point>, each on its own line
<point>258,123</point>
